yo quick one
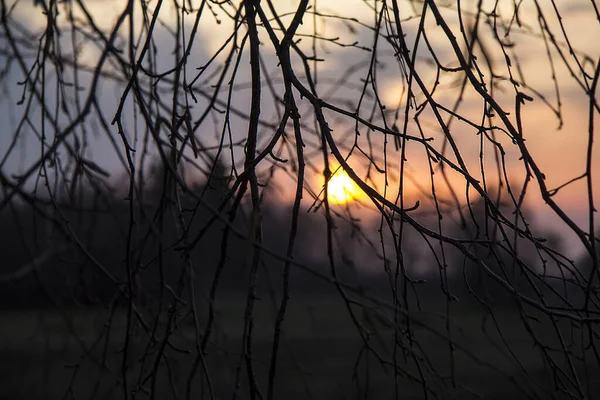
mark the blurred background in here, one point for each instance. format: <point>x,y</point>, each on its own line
<point>392,200</point>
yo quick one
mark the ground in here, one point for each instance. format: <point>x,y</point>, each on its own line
<point>42,356</point>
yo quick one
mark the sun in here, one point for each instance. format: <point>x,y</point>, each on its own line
<point>342,189</point>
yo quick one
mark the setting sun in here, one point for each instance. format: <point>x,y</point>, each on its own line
<point>342,189</point>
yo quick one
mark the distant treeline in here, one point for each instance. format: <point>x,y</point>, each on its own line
<point>96,249</point>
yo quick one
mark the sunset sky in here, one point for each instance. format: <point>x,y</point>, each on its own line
<point>560,153</point>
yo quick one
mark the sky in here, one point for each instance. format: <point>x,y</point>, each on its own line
<point>559,149</point>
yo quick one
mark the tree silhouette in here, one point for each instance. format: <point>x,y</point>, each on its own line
<point>165,198</point>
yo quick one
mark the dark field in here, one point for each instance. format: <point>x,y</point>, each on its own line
<point>47,354</point>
